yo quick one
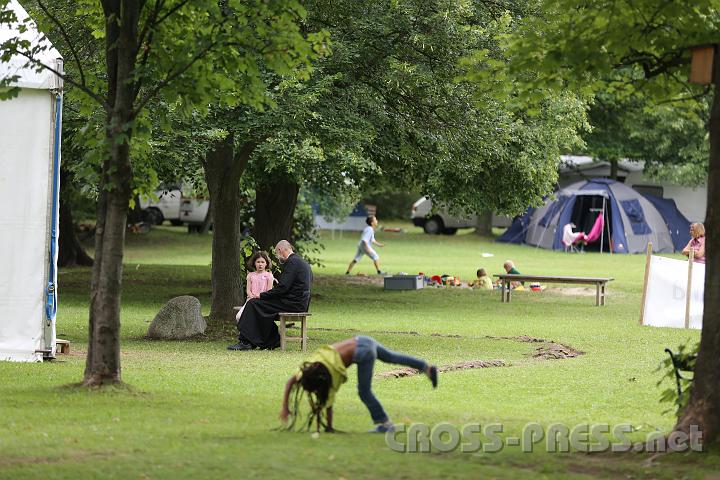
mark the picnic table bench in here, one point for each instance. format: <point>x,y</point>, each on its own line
<point>599,282</point>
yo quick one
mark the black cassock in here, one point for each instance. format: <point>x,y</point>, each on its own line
<point>291,294</point>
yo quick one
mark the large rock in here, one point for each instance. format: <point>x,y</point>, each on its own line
<point>177,319</point>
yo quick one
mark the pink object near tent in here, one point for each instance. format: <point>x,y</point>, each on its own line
<point>571,238</point>
<point>596,229</point>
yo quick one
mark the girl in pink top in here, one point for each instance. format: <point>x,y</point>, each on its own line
<point>697,243</point>
<point>261,280</point>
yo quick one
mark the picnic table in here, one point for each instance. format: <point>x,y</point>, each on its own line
<point>599,282</point>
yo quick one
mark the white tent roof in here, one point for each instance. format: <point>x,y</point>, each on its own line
<point>18,65</point>
<point>580,163</point>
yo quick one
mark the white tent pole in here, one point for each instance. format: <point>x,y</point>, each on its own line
<point>688,292</point>
<point>645,282</point>
<point>607,223</point>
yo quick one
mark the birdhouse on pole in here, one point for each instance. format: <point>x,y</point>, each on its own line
<point>701,67</point>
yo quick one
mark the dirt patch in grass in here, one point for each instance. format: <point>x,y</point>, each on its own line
<point>408,372</point>
<point>550,350</point>
<point>556,351</point>
<point>353,279</point>
<point>393,332</point>
<point>521,338</point>
<point>365,279</point>
<point>576,291</point>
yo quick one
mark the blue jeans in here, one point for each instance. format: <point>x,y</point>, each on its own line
<point>366,351</point>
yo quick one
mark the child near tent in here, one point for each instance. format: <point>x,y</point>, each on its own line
<point>326,369</point>
<point>258,281</point>
<point>482,281</point>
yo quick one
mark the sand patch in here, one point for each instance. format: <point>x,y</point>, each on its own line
<point>470,364</point>
<point>576,291</point>
<point>556,351</point>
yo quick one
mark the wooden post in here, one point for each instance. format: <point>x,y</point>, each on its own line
<point>303,334</point>
<point>701,65</point>
<point>688,292</point>
<point>645,283</point>
<point>282,333</point>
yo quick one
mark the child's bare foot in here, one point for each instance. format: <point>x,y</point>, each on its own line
<point>432,373</point>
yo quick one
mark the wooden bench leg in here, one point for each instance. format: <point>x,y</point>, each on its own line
<point>597,294</point>
<point>602,295</point>
<point>508,291</point>
<point>502,292</point>
<point>282,332</point>
<point>303,333</point>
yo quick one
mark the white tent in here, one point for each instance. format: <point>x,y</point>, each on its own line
<point>29,187</point>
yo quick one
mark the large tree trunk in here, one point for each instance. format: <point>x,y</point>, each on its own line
<point>103,358</point>
<point>70,250</point>
<point>223,169</point>
<point>703,409</point>
<point>207,223</point>
<point>275,203</point>
<point>483,226</point>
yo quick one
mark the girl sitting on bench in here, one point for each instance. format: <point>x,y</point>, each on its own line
<point>325,370</point>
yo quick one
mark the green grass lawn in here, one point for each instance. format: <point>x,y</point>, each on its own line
<point>196,410</point>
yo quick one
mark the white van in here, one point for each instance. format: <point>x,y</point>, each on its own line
<point>445,223</point>
<point>173,206</point>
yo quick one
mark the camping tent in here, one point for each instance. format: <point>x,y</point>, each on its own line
<point>29,187</point>
<point>630,220</point>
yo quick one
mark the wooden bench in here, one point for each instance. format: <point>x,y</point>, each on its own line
<point>599,282</point>
<point>287,320</point>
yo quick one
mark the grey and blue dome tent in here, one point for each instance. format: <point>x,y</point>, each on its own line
<point>630,220</point>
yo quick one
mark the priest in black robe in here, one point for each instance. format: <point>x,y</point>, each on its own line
<point>292,294</point>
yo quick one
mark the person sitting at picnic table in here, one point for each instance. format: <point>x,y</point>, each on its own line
<point>509,267</point>
<point>483,281</point>
<point>696,243</point>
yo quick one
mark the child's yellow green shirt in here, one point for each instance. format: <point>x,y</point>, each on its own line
<point>331,359</point>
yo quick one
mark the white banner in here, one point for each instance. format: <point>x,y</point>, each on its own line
<point>666,293</point>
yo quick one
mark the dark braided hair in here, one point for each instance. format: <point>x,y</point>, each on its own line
<point>315,379</point>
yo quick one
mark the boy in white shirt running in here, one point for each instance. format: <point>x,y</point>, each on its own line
<point>367,239</point>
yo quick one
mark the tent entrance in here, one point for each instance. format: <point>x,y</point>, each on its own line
<point>585,212</point>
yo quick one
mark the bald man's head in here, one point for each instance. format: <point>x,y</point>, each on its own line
<point>283,250</point>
